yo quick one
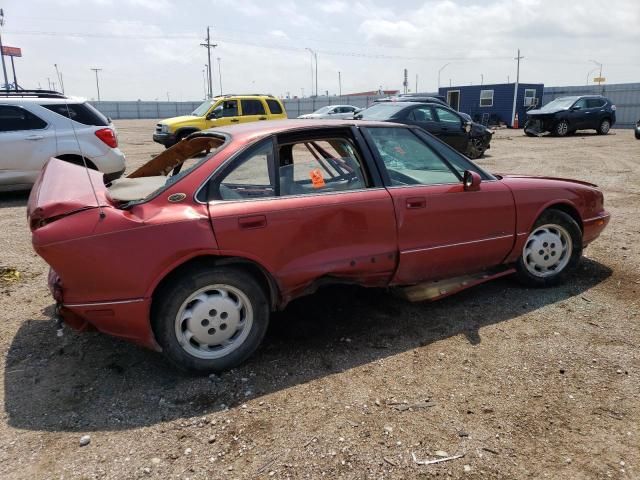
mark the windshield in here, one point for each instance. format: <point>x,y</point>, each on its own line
<point>559,103</point>
<point>381,111</point>
<point>203,108</point>
<point>323,110</point>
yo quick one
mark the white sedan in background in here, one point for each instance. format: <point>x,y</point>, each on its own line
<point>333,111</point>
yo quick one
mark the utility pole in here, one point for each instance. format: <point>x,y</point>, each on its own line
<point>515,89</point>
<point>204,82</point>
<point>339,84</point>
<point>4,68</point>
<point>97,83</point>
<point>15,79</point>
<point>481,79</point>
<point>220,74</point>
<point>209,46</point>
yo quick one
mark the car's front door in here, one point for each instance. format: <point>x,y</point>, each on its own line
<point>309,208</point>
<point>252,110</point>
<point>452,129</point>
<point>224,112</point>
<point>443,230</point>
<point>26,143</point>
<point>424,117</point>
<point>594,112</point>
<point>577,115</point>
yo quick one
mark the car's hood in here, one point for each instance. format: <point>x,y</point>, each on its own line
<point>63,188</point>
<point>181,119</point>
<point>541,111</point>
<point>508,177</point>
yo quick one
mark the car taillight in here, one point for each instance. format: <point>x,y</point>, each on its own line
<point>613,107</point>
<point>108,136</point>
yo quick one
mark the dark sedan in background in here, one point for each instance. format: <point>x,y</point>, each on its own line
<point>565,115</point>
<point>450,126</point>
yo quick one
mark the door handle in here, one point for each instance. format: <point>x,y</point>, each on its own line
<point>234,120</point>
<point>253,221</point>
<point>262,118</point>
<point>416,202</point>
<point>35,137</point>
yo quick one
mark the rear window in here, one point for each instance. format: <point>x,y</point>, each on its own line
<point>381,111</point>
<point>80,112</point>
<point>274,106</point>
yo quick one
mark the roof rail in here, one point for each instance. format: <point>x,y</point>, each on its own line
<point>247,95</point>
<point>32,93</point>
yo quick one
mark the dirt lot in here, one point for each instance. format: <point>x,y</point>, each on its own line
<point>350,382</point>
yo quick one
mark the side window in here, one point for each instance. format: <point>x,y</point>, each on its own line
<point>582,103</point>
<point>252,107</point>
<point>15,119</point>
<point>422,114</point>
<point>447,116</point>
<point>228,108</point>
<point>320,166</point>
<point>80,112</point>
<point>595,103</point>
<point>408,160</point>
<point>249,176</point>
<point>274,106</point>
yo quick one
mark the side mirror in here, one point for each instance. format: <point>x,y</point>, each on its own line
<point>467,127</point>
<point>213,115</point>
<point>471,181</point>
<point>576,107</point>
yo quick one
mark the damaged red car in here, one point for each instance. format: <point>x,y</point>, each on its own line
<point>190,253</point>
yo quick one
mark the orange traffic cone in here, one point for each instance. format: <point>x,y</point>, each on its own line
<point>515,121</point>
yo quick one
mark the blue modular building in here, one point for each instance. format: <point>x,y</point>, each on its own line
<point>493,104</point>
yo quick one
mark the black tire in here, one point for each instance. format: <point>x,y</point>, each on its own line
<point>170,300</point>
<point>555,218</point>
<point>604,127</point>
<point>180,136</point>
<point>637,133</point>
<point>475,148</point>
<point>561,128</point>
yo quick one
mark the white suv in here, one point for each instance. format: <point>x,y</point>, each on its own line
<point>38,124</point>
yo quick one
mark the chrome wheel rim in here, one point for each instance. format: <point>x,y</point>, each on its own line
<point>547,250</point>
<point>563,128</point>
<point>214,321</point>
<point>605,126</point>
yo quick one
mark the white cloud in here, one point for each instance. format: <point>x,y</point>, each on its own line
<point>279,34</point>
<point>333,6</point>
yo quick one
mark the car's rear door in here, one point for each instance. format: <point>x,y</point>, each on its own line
<point>26,143</point>
<point>309,208</point>
<point>594,112</point>
<point>443,230</point>
<point>252,110</point>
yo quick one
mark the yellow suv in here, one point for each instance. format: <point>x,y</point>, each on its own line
<point>222,110</point>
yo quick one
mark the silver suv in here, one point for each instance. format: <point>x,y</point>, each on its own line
<point>38,124</point>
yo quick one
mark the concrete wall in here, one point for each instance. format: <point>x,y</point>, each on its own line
<point>625,96</point>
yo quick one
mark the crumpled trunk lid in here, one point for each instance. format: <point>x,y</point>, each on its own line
<point>62,189</point>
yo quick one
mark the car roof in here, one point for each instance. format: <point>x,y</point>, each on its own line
<point>41,101</point>
<point>246,132</point>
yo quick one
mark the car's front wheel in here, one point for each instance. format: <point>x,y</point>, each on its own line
<point>604,127</point>
<point>561,129</point>
<point>211,319</point>
<point>552,250</point>
<point>475,148</point>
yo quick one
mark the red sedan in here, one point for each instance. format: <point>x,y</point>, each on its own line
<point>189,254</point>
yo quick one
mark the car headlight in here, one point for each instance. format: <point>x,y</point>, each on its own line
<point>164,128</point>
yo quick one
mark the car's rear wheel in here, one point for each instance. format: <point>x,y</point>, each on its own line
<point>604,127</point>
<point>475,148</point>
<point>552,250</point>
<point>561,129</point>
<point>211,320</point>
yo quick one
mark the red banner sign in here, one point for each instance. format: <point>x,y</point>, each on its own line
<point>11,51</point>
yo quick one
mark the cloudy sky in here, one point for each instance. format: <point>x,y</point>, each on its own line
<point>149,49</point>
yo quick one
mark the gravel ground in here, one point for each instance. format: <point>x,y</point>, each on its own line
<point>350,382</point>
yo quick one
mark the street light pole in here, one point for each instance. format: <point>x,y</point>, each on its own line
<point>339,85</point>
<point>97,84</point>
<point>314,55</point>
<point>220,74</point>
<point>589,74</point>
<point>4,67</point>
<point>439,71</point>
<point>600,74</point>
